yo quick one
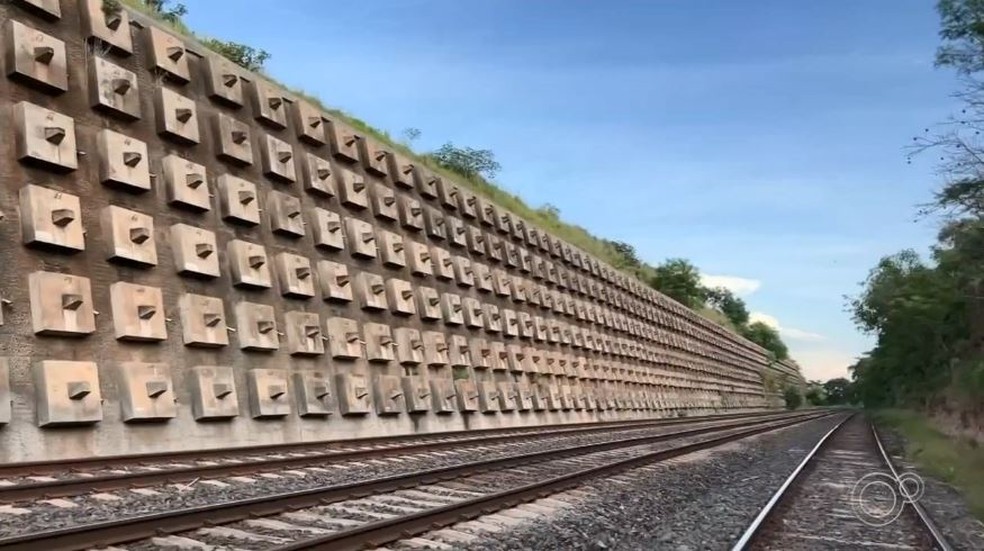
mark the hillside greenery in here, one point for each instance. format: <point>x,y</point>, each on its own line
<point>477,168</point>
<point>927,313</point>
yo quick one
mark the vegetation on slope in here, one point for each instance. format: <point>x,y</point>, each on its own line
<point>954,460</point>
<point>927,314</point>
<point>476,168</point>
<point>834,392</point>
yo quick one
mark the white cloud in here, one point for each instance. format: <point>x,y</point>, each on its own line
<point>817,359</point>
<point>740,286</point>
<point>800,335</point>
<point>822,364</point>
<point>764,318</point>
<point>788,332</point>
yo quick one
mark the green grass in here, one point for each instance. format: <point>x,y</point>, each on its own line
<point>177,25</point>
<point>956,461</point>
<point>571,233</point>
<point>717,317</point>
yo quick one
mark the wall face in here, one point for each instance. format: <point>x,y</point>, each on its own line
<point>193,257</point>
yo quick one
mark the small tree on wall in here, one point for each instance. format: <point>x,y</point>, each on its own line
<point>679,279</point>
<point>163,9</point>
<point>245,56</point>
<point>793,398</point>
<point>467,161</point>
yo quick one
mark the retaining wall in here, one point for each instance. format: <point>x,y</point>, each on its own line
<point>194,257</point>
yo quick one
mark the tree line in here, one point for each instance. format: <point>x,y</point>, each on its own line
<point>927,312</point>
<point>680,280</point>
<point>676,278</point>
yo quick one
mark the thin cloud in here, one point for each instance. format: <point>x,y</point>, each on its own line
<point>800,335</point>
<point>822,364</point>
<point>788,332</point>
<point>741,286</point>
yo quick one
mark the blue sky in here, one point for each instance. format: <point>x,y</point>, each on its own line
<point>764,141</point>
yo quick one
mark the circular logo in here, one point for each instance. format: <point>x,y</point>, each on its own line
<point>877,499</point>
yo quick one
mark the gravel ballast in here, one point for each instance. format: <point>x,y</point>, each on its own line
<point>943,502</point>
<point>93,508</point>
<point>701,501</point>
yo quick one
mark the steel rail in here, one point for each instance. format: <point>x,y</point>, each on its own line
<point>101,534</point>
<point>379,533</point>
<point>938,538</point>
<point>67,487</point>
<point>35,468</point>
<point>753,528</point>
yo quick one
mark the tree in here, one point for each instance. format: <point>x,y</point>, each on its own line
<point>549,211</point>
<point>625,253</point>
<point>962,31</point>
<point>245,56</point>
<point>162,9</point>
<point>768,338</point>
<point>959,255</point>
<point>411,135</point>
<point>928,315</point>
<point>678,279</point>
<point>793,397</point>
<point>240,54</point>
<point>724,301</point>
<point>917,312</point>
<point>466,161</point>
<point>837,391</point>
<point>814,394</point>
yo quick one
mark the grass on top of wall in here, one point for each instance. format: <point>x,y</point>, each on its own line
<point>573,234</point>
<point>546,220</point>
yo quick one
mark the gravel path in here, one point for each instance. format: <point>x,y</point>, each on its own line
<point>941,501</point>
<point>696,502</point>
<point>120,504</point>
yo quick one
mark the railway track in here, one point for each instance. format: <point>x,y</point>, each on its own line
<point>20,482</point>
<point>383,509</point>
<point>87,464</point>
<point>846,493</point>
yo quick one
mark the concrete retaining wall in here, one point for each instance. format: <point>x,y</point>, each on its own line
<point>193,257</point>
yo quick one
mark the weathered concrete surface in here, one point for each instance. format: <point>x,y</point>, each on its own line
<point>193,257</point>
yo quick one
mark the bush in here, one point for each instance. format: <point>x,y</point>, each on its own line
<point>793,398</point>
<point>467,161</point>
<point>245,56</point>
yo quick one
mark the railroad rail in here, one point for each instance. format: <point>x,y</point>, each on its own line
<point>527,475</point>
<point>825,502</point>
<point>32,481</point>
